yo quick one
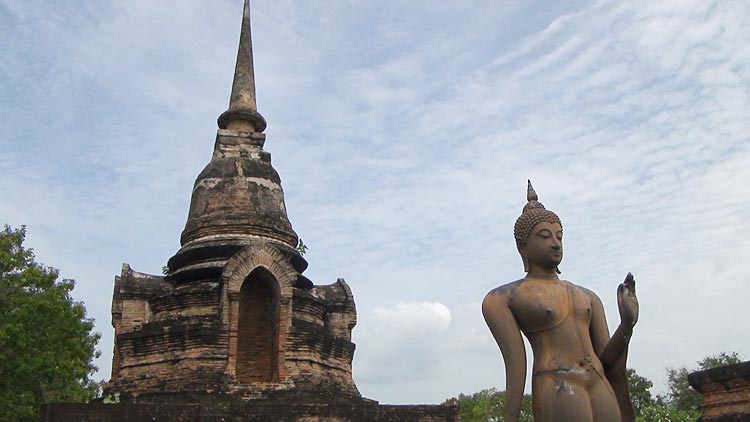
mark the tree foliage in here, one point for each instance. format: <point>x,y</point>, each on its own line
<point>640,390</point>
<point>488,406</point>
<point>46,342</point>
<point>662,412</point>
<point>681,403</point>
<point>301,247</point>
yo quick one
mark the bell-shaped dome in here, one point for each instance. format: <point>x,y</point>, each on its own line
<point>237,196</point>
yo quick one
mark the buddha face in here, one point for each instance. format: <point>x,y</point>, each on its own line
<point>543,249</point>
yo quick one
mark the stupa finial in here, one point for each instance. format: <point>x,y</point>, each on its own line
<point>242,113</point>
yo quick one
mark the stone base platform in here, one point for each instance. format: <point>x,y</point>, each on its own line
<point>363,411</point>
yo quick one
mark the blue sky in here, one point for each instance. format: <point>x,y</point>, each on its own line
<point>404,133</point>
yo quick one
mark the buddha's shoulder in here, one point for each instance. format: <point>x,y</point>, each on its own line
<point>575,288</point>
<point>505,290</point>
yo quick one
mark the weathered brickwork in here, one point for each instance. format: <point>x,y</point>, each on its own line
<point>251,328</point>
<point>249,412</point>
<point>725,391</point>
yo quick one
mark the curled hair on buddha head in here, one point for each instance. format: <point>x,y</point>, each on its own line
<point>533,214</point>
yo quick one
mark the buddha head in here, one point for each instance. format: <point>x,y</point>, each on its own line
<point>536,220</point>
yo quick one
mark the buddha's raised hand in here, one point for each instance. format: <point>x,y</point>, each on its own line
<point>627,302</point>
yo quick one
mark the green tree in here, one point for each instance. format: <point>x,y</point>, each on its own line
<point>46,342</point>
<point>663,412</point>
<point>488,406</point>
<point>682,403</point>
<point>640,391</point>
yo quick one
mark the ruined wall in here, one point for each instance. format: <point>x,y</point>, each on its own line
<point>255,412</point>
<point>725,391</point>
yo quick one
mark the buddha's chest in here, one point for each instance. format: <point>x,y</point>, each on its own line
<point>542,307</point>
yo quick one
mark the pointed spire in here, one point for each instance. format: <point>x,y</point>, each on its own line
<point>242,113</point>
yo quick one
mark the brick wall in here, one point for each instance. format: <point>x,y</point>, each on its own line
<point>250,412</point>
<point>726,392</point>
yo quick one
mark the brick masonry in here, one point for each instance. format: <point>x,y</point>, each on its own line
<point>725,391</point>
<point>249,332</point>
<point>254,412</point>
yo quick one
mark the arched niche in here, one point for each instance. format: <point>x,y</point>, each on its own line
<point>258,328</point>
<point>270,264</point>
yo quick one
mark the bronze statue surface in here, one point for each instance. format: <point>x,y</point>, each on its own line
<point>579,370</point>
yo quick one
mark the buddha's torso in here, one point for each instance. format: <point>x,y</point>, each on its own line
<point>555,316</point>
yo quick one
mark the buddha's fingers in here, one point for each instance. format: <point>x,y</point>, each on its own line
<point>629,284</point>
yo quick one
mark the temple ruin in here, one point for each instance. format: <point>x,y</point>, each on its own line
<point>234,330</point>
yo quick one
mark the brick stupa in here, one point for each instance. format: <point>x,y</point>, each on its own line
<point>234,315</point>
<point>234,330</point>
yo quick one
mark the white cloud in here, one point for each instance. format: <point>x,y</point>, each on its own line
<point>417,352</point>
<point>414,317</point>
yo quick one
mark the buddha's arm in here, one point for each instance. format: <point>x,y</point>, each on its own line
<point>610,350</point>
<point>507,334</point>
<point>627,303</point>
<point>613,354</point>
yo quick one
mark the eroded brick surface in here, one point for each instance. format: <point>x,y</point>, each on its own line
<point>181,337</point>
<point>249,412</point>
<point>725,391</point>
